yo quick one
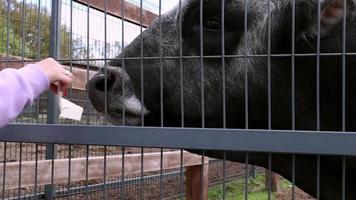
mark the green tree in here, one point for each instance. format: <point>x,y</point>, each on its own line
<point>24,29</point>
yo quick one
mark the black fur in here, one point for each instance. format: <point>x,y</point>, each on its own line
<point>256,38</point>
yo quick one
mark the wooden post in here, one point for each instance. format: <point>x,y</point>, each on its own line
<point>197,182</point>
<point>275,179</point>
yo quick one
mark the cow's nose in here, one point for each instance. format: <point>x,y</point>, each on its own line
<point>104,78</point>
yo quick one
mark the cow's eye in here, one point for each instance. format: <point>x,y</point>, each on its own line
<point>213,23</point>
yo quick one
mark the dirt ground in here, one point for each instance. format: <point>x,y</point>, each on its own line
<point>286,194</point>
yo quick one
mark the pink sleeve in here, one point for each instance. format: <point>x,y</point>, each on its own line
<point>19,88</point>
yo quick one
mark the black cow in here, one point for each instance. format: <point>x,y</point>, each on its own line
<point>179,34</point>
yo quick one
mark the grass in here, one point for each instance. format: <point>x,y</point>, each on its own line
<point>235,189</point>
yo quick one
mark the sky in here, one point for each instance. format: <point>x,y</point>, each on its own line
<point>96,27</point>
<point>114,27</point>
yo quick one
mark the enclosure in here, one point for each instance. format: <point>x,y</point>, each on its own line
<point>47,157</point>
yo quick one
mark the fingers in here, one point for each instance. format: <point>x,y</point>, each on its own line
<point>55,88</point>
<point>64,87</point>
<point>57,74</point>
<point>66,78</point>
<point>63,80</point>
<point>54,71</point>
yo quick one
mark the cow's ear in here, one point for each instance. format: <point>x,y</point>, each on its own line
<point>332,15</point>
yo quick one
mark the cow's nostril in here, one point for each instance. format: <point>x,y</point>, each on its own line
<point>100,82</point>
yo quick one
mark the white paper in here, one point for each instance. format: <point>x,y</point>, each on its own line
<point>69,110</point>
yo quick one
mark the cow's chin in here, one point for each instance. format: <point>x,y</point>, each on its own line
<point>118,120</point>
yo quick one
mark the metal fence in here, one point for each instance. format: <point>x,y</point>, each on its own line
<point>267,83</point>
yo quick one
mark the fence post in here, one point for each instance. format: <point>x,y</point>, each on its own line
<point>196,184</point>
<point>52,106</point>
<point>253,172</point>
<point>275,181</point>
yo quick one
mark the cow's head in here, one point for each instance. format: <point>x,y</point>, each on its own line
<point>163,74</point>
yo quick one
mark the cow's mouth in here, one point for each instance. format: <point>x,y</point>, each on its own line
<point>128,119</point>
<point>107,99</point>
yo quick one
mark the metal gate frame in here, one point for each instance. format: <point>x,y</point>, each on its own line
<point>273,141</point>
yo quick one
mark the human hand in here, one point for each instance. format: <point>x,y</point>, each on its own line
<point>56,74</point>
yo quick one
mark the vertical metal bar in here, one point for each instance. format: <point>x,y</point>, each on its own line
<point>123,57</point>
<point>293,65</point>
<point>52,117</point>
<point>269,176</point>
<point>161,94</point>
<point>246,177</point>
<point>293,177</point>
<point>23,33</point>
<point>39,30</point>
<point>269,93</point>
<point>141,62</point>
<point>7,32</point>
<point>318,93</point>
<point>269,66</point>
<point>71,45</point>
<point>38,110</point>
<point>318,177</point>
<point>161,175</point>
<point>105,61</point>
<point>50,189</point>
<point>318,69</point>
<point>246,68</point>
<point>202,65</point>
<point>36,171</point>
<point>70,96</point>
<point>122,196</point>
<point>181,175</point>
<point>20,173</point>
<point>4,173</point>
<point>343,177</point>
<point>105,164</point>
<point>344,95</point>
<point>224,176</point>
<point>69,169</point>
<point>54,53</point>
<point>181,64</point>
<point>141,176</point>
<point>161,61</point>
<point>88,54</point>
<point>86,172</point>
<point>344,67</point>
<point>223,60</point>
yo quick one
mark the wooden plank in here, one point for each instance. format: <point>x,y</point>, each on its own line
<point>131,11</point>
<point>80,77</point>
<point>171,160</point>
<point>197,182</point>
